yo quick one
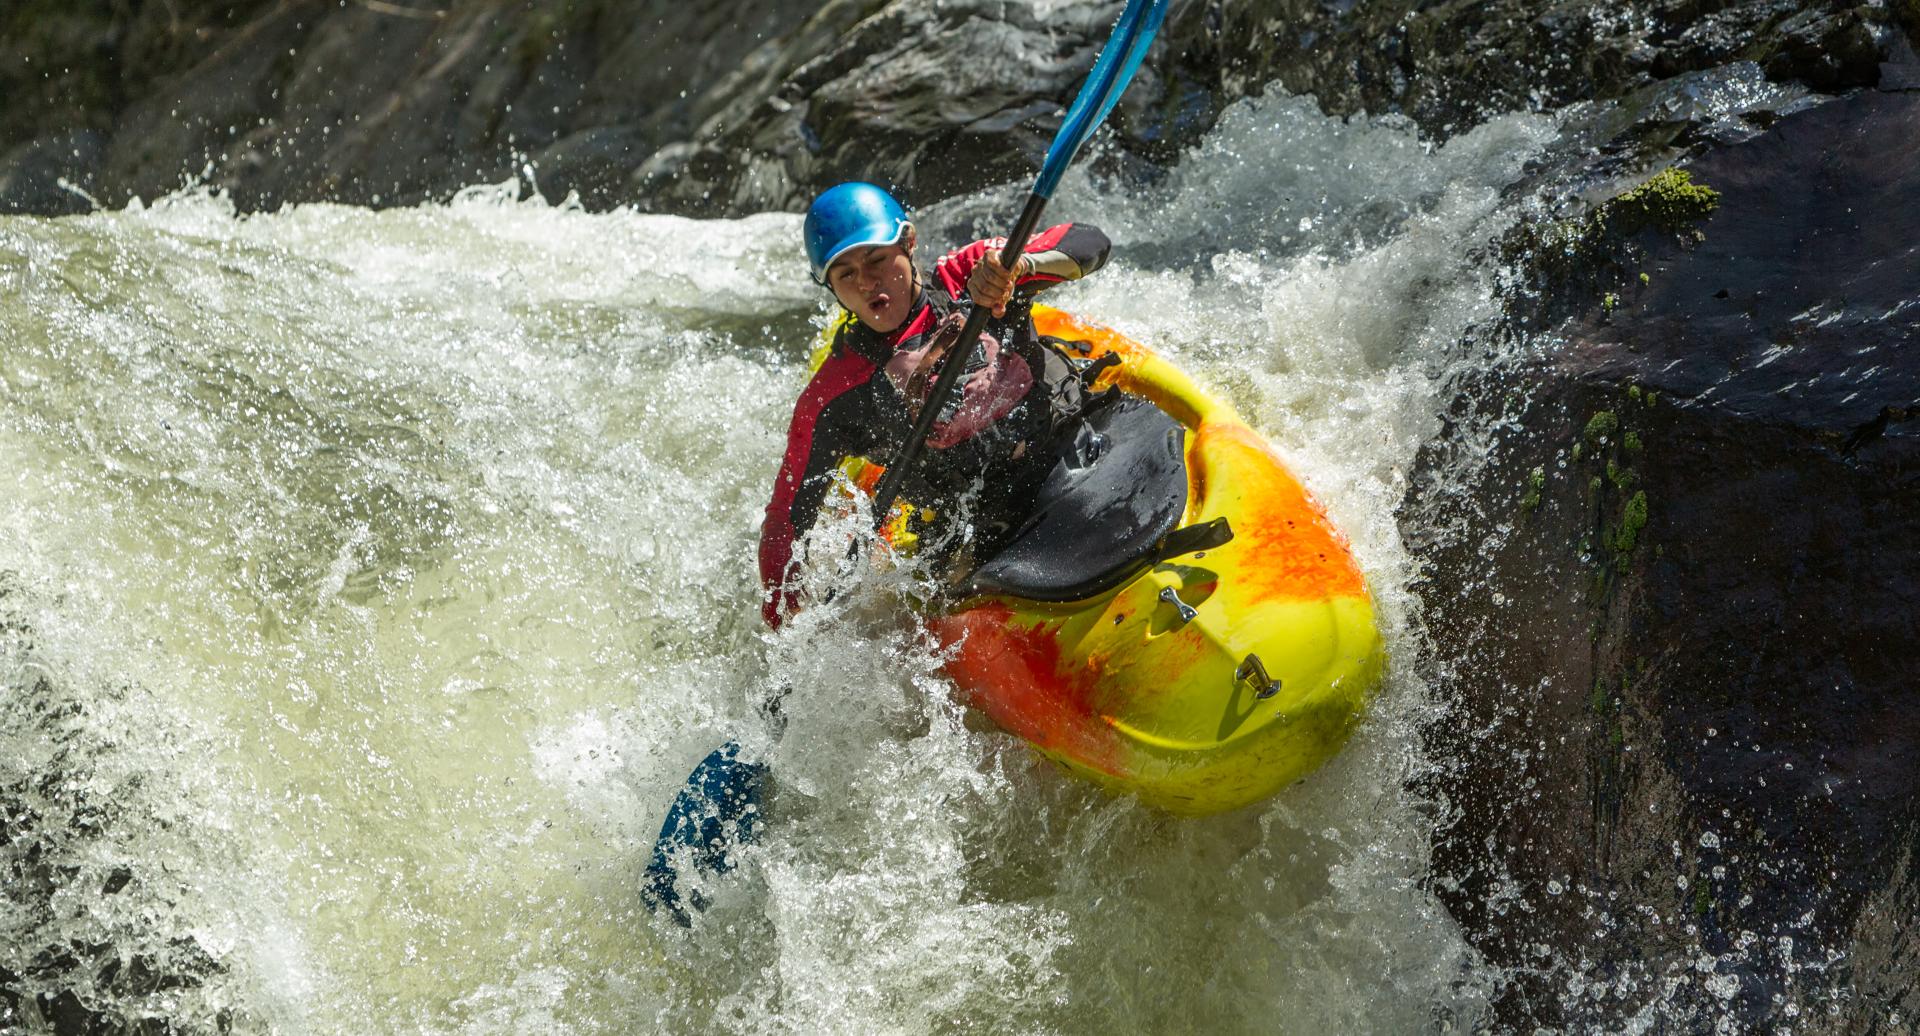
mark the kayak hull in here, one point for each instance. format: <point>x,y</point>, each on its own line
<point>1250,674</point>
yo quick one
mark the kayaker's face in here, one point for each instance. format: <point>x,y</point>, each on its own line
<point>875,283</point>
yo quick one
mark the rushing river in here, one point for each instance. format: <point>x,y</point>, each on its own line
<point>369,581</point>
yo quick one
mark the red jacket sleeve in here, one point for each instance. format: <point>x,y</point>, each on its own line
<point>824,430</point>
<point>1082,241</point>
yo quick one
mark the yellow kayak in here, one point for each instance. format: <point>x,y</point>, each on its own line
<point>1179,620</point>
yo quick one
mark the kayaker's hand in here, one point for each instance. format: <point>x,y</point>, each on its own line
<point>991,284</point>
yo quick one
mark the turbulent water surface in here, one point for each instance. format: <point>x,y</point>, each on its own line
<point>369,581</point>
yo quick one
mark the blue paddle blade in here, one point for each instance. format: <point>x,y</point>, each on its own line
<point>716,811</point>
<point>1132,34</point>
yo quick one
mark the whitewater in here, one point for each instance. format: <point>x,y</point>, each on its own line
<point>370,580</point>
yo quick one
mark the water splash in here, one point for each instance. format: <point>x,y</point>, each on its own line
<point>431,532</point>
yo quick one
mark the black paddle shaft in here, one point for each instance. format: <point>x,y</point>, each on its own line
<point>950,369</point>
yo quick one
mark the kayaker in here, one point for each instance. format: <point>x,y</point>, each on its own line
<point>983,463</point>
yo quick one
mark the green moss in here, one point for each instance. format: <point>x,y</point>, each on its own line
<point>1670,201</point>
<point>1644,279</point>
<point>1702,901</point>
<point>1593,485</point>
<point>1601,425</point>
<point>1632,521</point>
<point>1536,482</point>
<point>1622,538</point>
<point>1633,393</point>
<point>1577,451</point>
<point>1618,736</point>
<point>1601,698</point>
<point>1622,478</point>
<point>1608,301</point>
<point>1632,442</point>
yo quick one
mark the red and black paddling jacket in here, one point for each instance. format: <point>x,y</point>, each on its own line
<point>856,405</point>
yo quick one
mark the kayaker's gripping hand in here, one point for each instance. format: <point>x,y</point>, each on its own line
<point>991,284</point>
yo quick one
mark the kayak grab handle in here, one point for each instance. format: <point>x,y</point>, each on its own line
<point>1205,536</point>
<point>1252,671</point>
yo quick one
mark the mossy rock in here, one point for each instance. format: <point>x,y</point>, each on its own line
<point>1536,484</point>
<point>1670,201</point>
<point>1601,425</point>
<point>1633,519</point>
<point>1586,256</point>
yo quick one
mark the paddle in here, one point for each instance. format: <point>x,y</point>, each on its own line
<point>719,807</point>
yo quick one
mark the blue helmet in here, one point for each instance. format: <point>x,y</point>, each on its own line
<point>850,216</point>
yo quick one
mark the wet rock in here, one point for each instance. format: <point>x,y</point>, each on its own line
<point>1450,65</point>
<point>932,100</point>
<point>68,1016</point>
<point>383,104</point>
<point>52,175</point>
<point>593,164</point>
<point>1901,69</point>
<point>11,1017</point>
<point>941,99</point>
<point>728,108</point>
<point>1672,583</point>
<point>1676,118</point>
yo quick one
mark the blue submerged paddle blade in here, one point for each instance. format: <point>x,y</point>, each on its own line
<point>717,811</point>
<point>1108,80</point>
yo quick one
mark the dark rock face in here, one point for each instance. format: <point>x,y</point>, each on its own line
<point>927,98</point>
<point>52,175</point>
<point>932,100</point>
<point>1674,589</point>
<point>730,107</point>
<point>1450,64</point>
<point>375,103</point>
